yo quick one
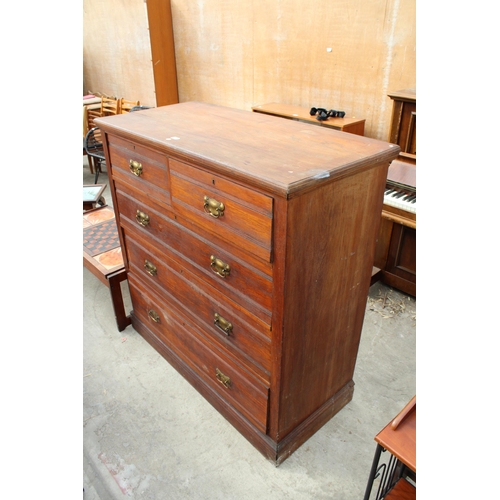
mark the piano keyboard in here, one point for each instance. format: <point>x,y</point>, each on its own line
<point>401,199</point>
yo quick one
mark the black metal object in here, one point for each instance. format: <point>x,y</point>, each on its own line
<point>95,149</point>
<point>138,108</point>
<point>389,473</point>
<point>322,114</point>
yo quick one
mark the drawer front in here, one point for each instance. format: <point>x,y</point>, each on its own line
<point>243,283</point>
<point>227,210</point>
<point>235,385</point>
<point>223,320</point>
<point>140,167</point>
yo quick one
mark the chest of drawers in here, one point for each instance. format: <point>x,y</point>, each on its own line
<point>249,244</point>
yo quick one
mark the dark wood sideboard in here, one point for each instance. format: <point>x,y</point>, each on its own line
<point>249,244</point>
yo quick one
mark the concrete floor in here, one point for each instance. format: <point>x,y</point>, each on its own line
<point>147,434</point>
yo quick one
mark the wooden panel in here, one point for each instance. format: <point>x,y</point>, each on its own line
<point>242,53</point>
<point>401,267</point>
<point>246,53</point>
<point>403,250</point>
<point>117,51</point>
<point>403,490</point>
<point>396,253</point>
<point>403,173</point>
<point>340,227</point>
<point>403,130</point>
<point>383,241</point>
<point>162,51</point>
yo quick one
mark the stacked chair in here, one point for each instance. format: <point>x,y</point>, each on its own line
<point>92,143</point>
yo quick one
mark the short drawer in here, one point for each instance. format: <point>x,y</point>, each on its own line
<point>227,210</point>
<point>243,282</point>
<point>234,384</point>
<point>221,318</point>
<point>140,167</point>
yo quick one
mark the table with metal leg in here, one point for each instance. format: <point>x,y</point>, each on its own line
<point>398,476</point>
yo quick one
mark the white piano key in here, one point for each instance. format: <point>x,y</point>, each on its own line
<point>400,200</point>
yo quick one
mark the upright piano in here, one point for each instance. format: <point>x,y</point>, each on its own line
<point>395,255</point>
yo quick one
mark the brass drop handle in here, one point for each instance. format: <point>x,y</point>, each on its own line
<point>135,167</point>
<point>219,267</point>
<point>223,379</point>
<point>142,218</point>
<point>223,324</point>
<point>213,207</point>
<point>154,315</point>
<point>150,268</point>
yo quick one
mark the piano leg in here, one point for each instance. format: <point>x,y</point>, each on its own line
<point>395,255</point>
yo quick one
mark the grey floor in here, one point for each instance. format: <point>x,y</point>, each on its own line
<point>147,434</point>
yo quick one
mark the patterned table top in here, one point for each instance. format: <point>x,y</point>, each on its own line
<point>100,239</point>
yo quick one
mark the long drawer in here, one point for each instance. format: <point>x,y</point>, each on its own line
<point>223,320</point>
<point>225,209</point>
<point>232,382</point>
<point>231,276</point>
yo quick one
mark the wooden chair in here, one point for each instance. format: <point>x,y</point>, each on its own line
<point>109,106</point>
<point>125,106</point>
<point>91,115</point>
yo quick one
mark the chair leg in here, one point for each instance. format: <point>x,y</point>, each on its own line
<point>97,167</point>
<point>89,159</point>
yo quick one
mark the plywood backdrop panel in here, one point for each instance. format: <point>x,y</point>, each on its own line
<point>244,53</point>
<point>248,52</point>
<point>117,50</point>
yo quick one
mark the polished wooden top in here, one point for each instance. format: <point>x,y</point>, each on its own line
<point>301,113</point>
<point>284,157</point>
<point>399,436</point>
<point>102,253</point>
<point>404,95</point>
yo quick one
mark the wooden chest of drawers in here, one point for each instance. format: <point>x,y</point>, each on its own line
<point>249,244</point>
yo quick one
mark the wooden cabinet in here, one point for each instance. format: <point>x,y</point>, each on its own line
<point>299,113</point>
<point>249,244</point>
